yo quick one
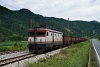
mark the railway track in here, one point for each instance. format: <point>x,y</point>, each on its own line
<point>15,59</point>
<point>11,61</point>
<point>9,52</point>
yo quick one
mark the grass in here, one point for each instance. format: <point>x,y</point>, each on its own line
<point>93,61</point>
<point>75,56</point>
<point>13,46</point>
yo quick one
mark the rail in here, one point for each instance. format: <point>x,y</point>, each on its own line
<point>15,59</point>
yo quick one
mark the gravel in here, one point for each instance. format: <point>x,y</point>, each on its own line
<point>11,55</point>
<point>24,62</point>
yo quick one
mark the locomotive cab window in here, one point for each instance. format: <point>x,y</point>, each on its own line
<point>31,33</point>
<point>40,34</point>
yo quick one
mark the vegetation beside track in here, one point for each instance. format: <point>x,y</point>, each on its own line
<point>99,38</point>
<point>13,46</point>
<point>75,56</point>
<point>93,61</point>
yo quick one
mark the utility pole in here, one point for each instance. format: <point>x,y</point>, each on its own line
<point>68,34</point>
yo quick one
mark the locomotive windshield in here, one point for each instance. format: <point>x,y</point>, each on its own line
<point>40,33</point>
<point>36,34</point>
<point>31,33</point>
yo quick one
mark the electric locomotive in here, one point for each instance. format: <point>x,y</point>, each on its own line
<point>42,39</point>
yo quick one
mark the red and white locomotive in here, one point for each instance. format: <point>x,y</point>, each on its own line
<point>42,39</point>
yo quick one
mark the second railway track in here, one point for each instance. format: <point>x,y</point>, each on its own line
<point>15,59</point>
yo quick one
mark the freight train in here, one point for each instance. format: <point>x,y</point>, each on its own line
<point>43,39</point>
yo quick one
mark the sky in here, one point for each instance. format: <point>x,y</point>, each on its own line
<point>86,10</point>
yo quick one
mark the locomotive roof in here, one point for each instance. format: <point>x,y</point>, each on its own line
<point>39,28</point>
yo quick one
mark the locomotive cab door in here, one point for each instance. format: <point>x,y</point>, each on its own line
<point>53,37</point>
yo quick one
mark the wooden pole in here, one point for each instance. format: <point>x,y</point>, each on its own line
<point>68,34</point>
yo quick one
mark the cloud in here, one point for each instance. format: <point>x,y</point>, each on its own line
<point>74,9</point>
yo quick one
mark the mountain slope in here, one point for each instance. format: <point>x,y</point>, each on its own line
<point>14,24</point>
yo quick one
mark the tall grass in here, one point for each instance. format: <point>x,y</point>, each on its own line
<point>93,61</point>
<point>12,46</point>
<point>75,56</point>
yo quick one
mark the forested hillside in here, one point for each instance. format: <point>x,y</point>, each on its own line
<point>14,25</point>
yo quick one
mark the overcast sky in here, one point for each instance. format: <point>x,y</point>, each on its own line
<point>86,10</point>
